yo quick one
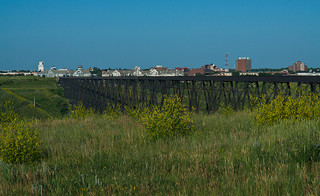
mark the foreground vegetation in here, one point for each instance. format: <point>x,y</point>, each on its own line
<point>227,154</point>
<point>273,149</point>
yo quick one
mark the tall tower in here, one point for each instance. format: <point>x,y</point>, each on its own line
<point>40,66</point>
<point>226,64</point>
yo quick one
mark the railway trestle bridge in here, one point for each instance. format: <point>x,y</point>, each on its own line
<point>202,93</point>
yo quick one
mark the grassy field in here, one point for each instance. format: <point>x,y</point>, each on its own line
<point>98,155</point>
<point>22,90</point>
<point>226,155</point>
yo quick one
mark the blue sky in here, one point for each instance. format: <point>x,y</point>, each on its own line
<point>128,33</point>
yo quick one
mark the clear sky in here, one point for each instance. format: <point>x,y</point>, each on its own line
<point>128,33</point>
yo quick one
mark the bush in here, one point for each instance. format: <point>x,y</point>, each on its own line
<point>7,113</point>
<point>282,108</point>
<point>172,119</point>
<point>226,109</point>
<point>19,143</point>
<point>80,111</point>
<point>113,110</point>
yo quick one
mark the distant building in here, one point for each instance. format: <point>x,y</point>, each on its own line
<point>281,73</point>
<point>53,72</point>
<point>298,66</point>
<point>78,72</point>
<point>194,72</point>
<point>249,74</point>
<point>170,72</point>
<point>82,72</point>
<point>137,71</point>
<point>116,73</point>
<point>243,64</point>
<point>40,66</point>
<point>104,73</point>
<point>111,73</point>
<point>153,72</point>
<point>308,74</point>
<point>35,73</point>
<point>185,69</point>
<point>206,70</point>
<point>160,68</point>
<point>222,74</point>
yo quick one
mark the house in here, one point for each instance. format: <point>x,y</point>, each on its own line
<point>184,69</point>
<point>78,72</point>
<point>35,73</point>
<point>54,73</point>
<point>170,72</point>
<point>137,71</point>
<point>63,73</point>
<point>126,72</point>
<point>115,73</point>
<point>180,72</point>
<point>82,72</point>
<point>153,72</point>
<point>50,74</point>
<point>104,73</point>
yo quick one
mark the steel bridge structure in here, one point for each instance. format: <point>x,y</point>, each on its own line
<point>201,93</point>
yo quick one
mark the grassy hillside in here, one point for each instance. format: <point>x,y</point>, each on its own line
<point>226,155</point>
<point>23,90</point>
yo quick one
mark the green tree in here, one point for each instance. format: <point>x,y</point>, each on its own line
<point>97,71</point>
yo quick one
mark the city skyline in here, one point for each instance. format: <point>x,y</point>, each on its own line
<point>124,34</point>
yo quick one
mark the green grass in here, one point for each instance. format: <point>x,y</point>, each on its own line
<point>24,89</point>
<point>226,155</point>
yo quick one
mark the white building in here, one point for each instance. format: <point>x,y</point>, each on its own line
<point>153,72</point>
<point>137,71</point>
<point>78,72</point>
<point>40,66</point>
<point>116,73</point>
<point>82,72</point>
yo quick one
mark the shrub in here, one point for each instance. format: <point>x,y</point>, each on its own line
<point>172,119</point>
<point>282,108</point>
<point>7,113</point>
<point>113,110</point>
<point>19,143</point>
<point>137,112</point>
<point>80,111</point>
<point>226,109</point>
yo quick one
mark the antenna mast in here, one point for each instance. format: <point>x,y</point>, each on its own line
<point>226,61</point>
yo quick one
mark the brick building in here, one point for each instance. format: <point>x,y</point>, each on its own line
<point>298,66</point>
<point>206,69</point>
<point>243,64</point>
